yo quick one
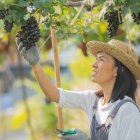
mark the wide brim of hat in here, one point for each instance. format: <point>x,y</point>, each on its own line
<point>95,47</point>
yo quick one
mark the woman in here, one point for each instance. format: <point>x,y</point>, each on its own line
<point>112,116</point>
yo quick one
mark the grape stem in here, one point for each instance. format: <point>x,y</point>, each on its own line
<point>40,48</point>
<point>128,33</point>
<point>80,10</point>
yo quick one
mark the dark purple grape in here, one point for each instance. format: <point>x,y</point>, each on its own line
<point>3,13</point>
<point>136,18</point>
<point>112,17</point>
<point>30,33</point>
<point>8,26</point>
<point>88,8</point>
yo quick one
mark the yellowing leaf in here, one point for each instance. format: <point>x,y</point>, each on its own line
<point>102,27</point>
<point>18,120</point>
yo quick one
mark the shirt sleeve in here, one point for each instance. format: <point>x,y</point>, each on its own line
<point>131,128</point>
<point>130,124</point>
<point>77,99</point>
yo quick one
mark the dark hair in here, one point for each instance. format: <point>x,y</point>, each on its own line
<point>125,83</point>
<point>139,60</point>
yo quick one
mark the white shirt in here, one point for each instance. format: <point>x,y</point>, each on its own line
<point>126,124</point>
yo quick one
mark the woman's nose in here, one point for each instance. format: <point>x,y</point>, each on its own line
<point>95,64</point>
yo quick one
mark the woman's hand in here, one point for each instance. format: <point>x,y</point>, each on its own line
<point>80,135</point>
<point>31,55</point>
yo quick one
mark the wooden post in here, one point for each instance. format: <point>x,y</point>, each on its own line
<point>57,75</point>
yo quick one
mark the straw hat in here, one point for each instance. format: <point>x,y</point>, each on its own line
<point>119,50</point>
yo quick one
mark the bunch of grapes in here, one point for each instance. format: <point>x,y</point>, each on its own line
<point>3,13</point>
<point>136,18</point>
<point>114,19</point>
<point>30,33</point>
<point>8,25</point>
<point>88,8</point>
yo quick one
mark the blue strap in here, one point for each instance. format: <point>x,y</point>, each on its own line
<point>113,113</point>
<point>96,104</point>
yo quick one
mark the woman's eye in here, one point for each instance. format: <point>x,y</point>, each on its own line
<point>101,59</point>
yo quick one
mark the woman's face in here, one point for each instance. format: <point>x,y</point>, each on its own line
<point>104,69</point>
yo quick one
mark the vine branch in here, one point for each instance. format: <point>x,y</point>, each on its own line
<point>79,4</point>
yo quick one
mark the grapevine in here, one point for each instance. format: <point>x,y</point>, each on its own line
<point>13,13</point>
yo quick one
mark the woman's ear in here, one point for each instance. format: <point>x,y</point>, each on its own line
<point>115,71</point>
<point>137,93</point>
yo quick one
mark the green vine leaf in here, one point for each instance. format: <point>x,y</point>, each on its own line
<point>135,8</point>
<point>23,3</point>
